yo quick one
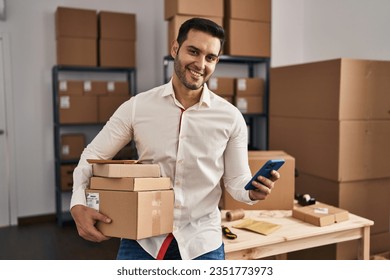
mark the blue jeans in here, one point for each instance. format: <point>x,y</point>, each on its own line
<point>131,250</point>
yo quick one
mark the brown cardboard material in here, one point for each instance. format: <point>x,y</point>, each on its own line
<point>176,21</point>
<point>223,86</point>
<point>119,169</point>
<point>248,38</point>
<point>249,87</point>
<point>256,10</point>
<point>95,87</point>
<point>119,26</point>
<point>335,150</point>
<point>107,105</point>
<point>118,88</point>
<point>76,51</point>
<point>250,104</point>
<point>72,145</point>
<point>72,22</point>
<point>135,215</point>
<point>339,89</point>
<point>282,196</point>
<point>70,87</point>
<point>365,198</point>
<point>130,184</point>
<point>67,176</point>
<point>200,8</point>
<point>75,109</point>
<point>117,53</point>
<point>320,214</point>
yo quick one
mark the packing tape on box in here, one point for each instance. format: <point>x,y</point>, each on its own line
<point>156,214</point>
<point>235,215</point>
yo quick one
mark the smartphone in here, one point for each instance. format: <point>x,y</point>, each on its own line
<point>265,171</point>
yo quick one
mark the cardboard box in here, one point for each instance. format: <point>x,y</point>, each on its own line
<point>95,87</point>
<point>320,214</point>
<point>74,109</point>
<point>247,38</point>
<point>365,198</point>
<point>76,51</point>
<point>200,8</point>
<point>67,176</point>
<point>223,86</point>
<point>249,87</point>
<point>117,26</point>
<point>130,184</point>
<point>339,89</point>
<point>123,168</point>
<point>176,21</point>
<point>117,53</point>
<point>256,10</point>
<point>107,105</point>
<point>335,150</point>
<point>282,196</point>
<point>118,88</point>
<point>70,87</point>
<point>135,215</point>
<point>250,104</point>
<point>76,23</point>
<point>72,145</point>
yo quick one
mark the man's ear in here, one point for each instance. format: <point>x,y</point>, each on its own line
<point>174,48</point>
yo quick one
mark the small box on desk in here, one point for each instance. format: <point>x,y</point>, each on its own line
<point>320,214</point>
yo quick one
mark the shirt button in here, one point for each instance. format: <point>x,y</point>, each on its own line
<point>180,161</point>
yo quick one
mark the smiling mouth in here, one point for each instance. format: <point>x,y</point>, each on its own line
<point>195,74</point>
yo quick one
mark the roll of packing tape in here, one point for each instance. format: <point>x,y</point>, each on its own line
<point>235,214</point>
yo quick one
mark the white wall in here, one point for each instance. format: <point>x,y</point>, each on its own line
<point>302,31</point>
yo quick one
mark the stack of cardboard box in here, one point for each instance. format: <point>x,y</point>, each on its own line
<point>135,196</point>
<point>76,34</point>
<point>117,39</point>
<point>248,26</point>
<point>333,117</point>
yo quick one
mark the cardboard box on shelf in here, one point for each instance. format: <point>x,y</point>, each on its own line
<point>72,145</point>
<point>338,89</point>
<point>74,22</point>
<point>75,109</point>
<point>108,104</point>
<point>256,10</point>
<point>282,196</point>
<point>336,150</point>
<point>124,168</point>
<point>176,21</point>
<point>200,8</point>
<point>320,214</point>
<point>130,184</point>
<point>118,88</point>
<point>91,87</point>
<point>76,51</point>
<point>250,104</point>
<point>249,87</point>
<point>135,215</point>
<point>117,53</point>
<point>67,176</point>
<point>247,38</point>
<point>117,26</point>
<point>223,86</point>
<point>70,87</point>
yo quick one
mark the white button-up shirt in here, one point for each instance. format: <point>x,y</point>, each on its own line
<point>195,147</point>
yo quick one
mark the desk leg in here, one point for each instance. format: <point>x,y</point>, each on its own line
<point>364,248</point>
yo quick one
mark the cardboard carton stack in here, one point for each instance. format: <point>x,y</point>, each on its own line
<point>333,117</point>
<point>248,26</point>
<point>117,39</point>
<point>135,196</point>
<point>282,196</point>
<point>176,12</point>
<point>76,35</point>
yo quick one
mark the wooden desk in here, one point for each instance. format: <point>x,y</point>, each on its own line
<point>293,235</point>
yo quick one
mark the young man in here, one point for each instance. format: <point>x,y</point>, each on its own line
<point>195,136</point>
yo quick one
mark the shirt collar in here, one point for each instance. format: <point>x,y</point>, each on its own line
<point>204,98</point>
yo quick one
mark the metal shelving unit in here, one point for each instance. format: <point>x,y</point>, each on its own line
<point>250,63</point>
<point>57,70</point>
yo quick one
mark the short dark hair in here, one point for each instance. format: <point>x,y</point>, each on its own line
<point>201,24</point>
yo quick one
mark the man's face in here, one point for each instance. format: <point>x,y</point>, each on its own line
<point>196,59</point>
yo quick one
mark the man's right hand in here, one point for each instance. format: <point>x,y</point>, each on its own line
<point>85,219</point>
